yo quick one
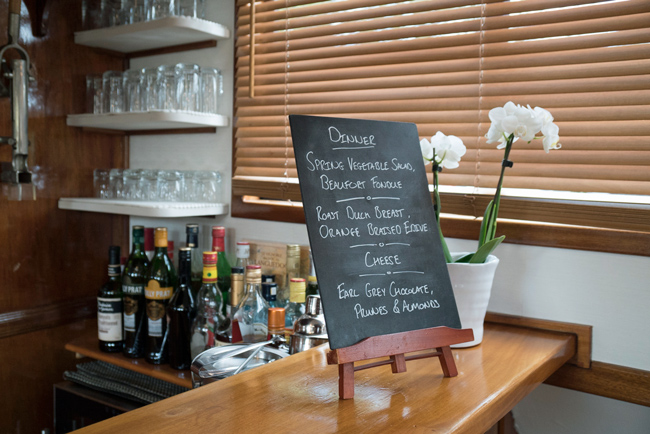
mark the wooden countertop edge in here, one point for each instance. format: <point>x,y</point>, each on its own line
<point>486,416</point>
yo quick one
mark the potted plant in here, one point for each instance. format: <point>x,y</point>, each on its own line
<point>472,273</point>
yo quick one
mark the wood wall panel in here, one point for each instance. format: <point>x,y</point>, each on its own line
<point>51,257</point>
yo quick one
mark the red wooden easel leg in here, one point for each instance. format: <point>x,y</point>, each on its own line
<point>447,362</point>
<point>398,363</point>
<point>346,380</point>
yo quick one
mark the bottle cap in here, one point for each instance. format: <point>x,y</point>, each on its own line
<point>192,234</point>
<point>293,250</point>
<point>160,237</point>
<point>276,319</point>
<point>209,258</point>
<point>243,249</point>
<point>218,231</point>
<point>185,254</point>
<point>254,274</point>
<point>268,278</point>
<point>114,255</point>
<point>297,289</point>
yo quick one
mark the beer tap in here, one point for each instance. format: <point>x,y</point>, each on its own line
<point>13,83</point>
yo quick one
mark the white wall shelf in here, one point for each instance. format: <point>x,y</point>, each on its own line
<point>151,120</point>
<point>143,209</point>
<point>150,35</point>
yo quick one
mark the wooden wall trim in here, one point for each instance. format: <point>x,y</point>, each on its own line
<point>51,315</point>
<point>597,378</point>
<point>607,380</point>
<point>583,333</point>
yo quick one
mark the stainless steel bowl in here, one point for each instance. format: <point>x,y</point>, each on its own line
<point>221,362</point>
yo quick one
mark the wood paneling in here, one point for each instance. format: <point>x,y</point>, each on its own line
<point>31,364</point>
<point>51,258</point>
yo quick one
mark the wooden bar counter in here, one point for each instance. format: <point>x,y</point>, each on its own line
<point>299,394</point>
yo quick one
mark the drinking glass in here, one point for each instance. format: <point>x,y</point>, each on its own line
<point>133,11</point>
<point>116,177</point>
<point>171,185</point>
<point>112,92</point>
<point>149,185</point>
<point>166,85</point>
<point>187,90</point>
<point>112,13</point>
<point>132,84</point>
<point>149,90</point>
<point>101,183</point>
<point>190,8</point>
<point>157,9</point>
<point>132,184</point>
<point>94,93</point>
<point>211,89</point>
<point>188,185</point>
<point>207,186</point>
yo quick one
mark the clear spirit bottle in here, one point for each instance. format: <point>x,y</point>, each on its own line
<point>296,306</point>
<point>252,312</point>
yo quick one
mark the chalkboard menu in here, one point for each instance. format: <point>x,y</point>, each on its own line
<point>372,228</point>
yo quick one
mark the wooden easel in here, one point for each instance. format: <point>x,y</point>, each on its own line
<point>395,346</point>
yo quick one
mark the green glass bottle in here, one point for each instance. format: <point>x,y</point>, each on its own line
<point>160,285</point>
<point>134,279</point>
<point>223,266</point>
<point>109,306</point>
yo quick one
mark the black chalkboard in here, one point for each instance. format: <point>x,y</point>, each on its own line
<point>372,228</point>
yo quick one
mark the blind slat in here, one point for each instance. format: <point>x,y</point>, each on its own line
<point>443,66</point>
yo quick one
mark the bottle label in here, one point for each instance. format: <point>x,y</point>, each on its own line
<point>153,291</point>
<point>109,319</point>
<point>133,289</point>
<point>155,327</point>
<point>129,321</point>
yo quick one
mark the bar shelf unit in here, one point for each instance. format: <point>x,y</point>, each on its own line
<point>143,209</point>
<point>152,35</point>
<point>158,120</point>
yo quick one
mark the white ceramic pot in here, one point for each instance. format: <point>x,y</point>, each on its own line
<point>472,284</point>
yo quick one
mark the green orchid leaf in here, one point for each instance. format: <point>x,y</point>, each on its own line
<point>485,225</point>
<point>484,251</point>
<point>465,259</point>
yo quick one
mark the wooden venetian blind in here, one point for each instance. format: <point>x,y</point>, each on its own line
<point>443,65</point>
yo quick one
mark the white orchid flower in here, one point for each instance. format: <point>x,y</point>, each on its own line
<point>523,122</point>
<point>446,151</point>
<point>427,151</point>
<point>551,137</point>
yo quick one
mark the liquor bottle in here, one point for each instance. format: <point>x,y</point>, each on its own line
<point>236,295</point>
<point>312,281</point>
<point>192,241</point>
<point>292,271</point>
<point>252,312</point>
<point>276,329</point>
<point>268,278</point>
<point>296,306</point>
<point>209,320</point>
<point>180,313</point>
<point>160,285</point>
<point>134,279</point>
<point>148,243</point>
<point>109,306</point>
<point>242,252</point>
<point>223,266</point>
<point>270,293</point>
